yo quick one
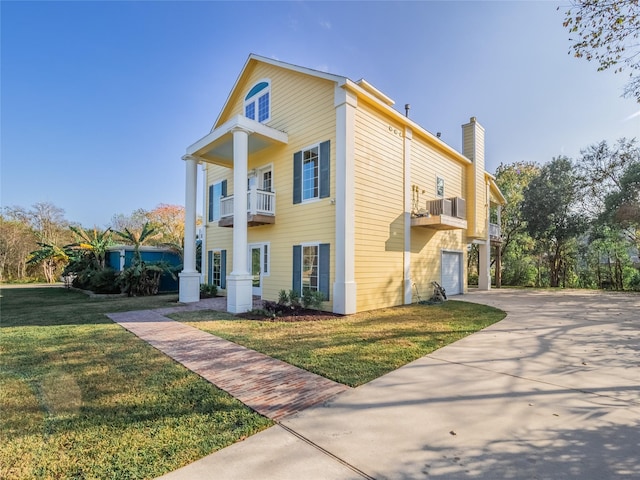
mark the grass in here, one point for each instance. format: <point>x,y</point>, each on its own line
<point>82,398</point>
<point>355,349</point>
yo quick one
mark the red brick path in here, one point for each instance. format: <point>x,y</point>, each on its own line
<point>271,387</point>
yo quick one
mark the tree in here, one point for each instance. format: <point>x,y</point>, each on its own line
<point>95,243</point>
<point>552,220</point>
<point>623,206</point>
<point>121,222</point>
<point>607,31</point>
<point>512,180</point>
<point>52,258</point>
<point>51,231</point>
<point>600,170</point>
<point>141,278</point>
<point>168,220</point>
<point>17,239</point>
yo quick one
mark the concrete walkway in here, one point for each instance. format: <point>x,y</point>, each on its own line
<point>551,392</point>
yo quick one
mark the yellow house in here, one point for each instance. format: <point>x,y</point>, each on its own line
<point>314,181</point>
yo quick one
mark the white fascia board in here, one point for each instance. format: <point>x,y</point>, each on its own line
<point>405,121</point>
<point>241,122</point>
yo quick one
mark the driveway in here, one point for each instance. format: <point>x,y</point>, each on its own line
<point>551,392</point>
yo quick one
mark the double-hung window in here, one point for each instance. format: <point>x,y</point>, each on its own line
<point>217,268</point>
<point>311,173</point>
<point>311,268</point>
<point>257,103</point>
<point>216,192</point>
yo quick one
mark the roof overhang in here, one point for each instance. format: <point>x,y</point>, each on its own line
<point>217,146</point>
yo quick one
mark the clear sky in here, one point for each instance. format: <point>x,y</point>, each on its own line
<point>100,99</point>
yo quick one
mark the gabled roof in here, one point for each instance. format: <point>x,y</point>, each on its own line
<point>253,58</point>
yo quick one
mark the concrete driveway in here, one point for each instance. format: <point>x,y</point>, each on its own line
<point>551,392</point>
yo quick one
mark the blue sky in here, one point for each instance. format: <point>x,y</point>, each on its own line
<point>100,99</point>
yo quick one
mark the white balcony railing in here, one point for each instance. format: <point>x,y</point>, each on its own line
<point>494,231</point>
<point>259,202</point>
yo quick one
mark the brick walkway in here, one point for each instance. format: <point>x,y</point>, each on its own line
<point>271,387</point>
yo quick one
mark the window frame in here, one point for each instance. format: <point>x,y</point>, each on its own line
<point>440,186</point>
<point>323,188</point>
<point>254,100</point>
<point>323,267</point>
<point>214,200</point>
<point>222,265</point>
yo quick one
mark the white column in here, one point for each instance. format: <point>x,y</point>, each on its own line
<point>484,267</point>
<point>344,286</point>
<point>239,282</point>
<point>189,277</point>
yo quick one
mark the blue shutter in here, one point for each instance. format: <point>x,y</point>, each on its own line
<point>297,177</point>
<point>210,267</point>
<point>223,188</point>
<point>323,269</point>
<point>325,171</point>
<point>211,203</point>
<point>297,268</point>
<point>223,267</point>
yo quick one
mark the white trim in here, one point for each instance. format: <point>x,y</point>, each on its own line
<point>302,247</point>
<point>205,223</point>
<point>235,122</point>
<point>344,286</point>
<point>317,197</point>
<point>256,99</point>
<point>408,294</point>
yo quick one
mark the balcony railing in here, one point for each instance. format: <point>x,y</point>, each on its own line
<point>261,208</point>
<point>495,233</point>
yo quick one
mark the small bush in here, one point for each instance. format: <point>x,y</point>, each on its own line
<point>208,291</point>
<point>104,281</point>
<point>312,299</point>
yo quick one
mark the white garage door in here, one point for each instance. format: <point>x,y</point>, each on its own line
<point>452,272</point>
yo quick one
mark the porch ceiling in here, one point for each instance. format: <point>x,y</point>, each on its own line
<point>217,146</point>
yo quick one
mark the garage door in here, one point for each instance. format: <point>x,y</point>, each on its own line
<point>452,272</point>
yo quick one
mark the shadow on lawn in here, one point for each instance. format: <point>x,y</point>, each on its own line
<point>49,306</point>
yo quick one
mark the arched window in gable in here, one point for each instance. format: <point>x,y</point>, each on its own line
<point>257,103</point>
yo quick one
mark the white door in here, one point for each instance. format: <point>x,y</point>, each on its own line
<point>452,272</point>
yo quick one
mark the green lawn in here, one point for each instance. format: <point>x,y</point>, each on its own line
<point>356,349</point>
<point>82,398</point>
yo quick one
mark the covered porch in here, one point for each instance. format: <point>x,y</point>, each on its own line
<point>229,145</point>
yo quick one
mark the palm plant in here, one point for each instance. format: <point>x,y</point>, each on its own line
<point>95,243</point>
<point>51,257</point>
<point>138,238</point>
<point>141,278</point>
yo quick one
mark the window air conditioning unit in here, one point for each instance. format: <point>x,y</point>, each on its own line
<point>439,207</point>
<point>458,207</point>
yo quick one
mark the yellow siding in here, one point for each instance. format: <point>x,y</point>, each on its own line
<point>427,244</point>
<point>301,106</point>
<point>379,207</point>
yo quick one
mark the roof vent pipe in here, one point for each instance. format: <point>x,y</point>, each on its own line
<point>407,107</point>
<point>438,134</point>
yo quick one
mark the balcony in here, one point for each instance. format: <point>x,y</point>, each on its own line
<point>495,235</point>
<point>442,214</point>
<point>261,209</point>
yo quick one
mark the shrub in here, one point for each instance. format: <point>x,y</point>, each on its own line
<point>207,291</point>
<point>312,299</point>
<point>104,281</point>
